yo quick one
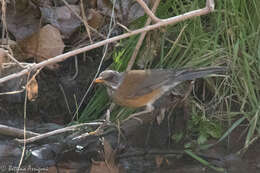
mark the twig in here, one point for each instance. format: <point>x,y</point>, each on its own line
<point>12,92</point>
<point>124,27</point>
<point>85,20</point>
<point>65,98</point>
<point>24,126</point>
<point>15,60</point>
<point>76,68</point>
<point>176,41</point>
<point>210,4</point>
<point>55,132</point>
<point>101,62</point>
<point>141,39</point>
<point>148,11</point>
<point>15,132</point>
<point>3,18</point>
<point>64,56</point>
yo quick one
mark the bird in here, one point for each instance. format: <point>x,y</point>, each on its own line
<point>142,88</point>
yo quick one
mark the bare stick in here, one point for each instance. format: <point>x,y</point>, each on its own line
<point>85,20</point>
<point>15,132</point>
<point>24,126</point>
<point>13,59</point>
<point>55,132</point>
<point>210,4</point>
<point>141,39</point>
<point>148,11</point>
<point>64,56</point>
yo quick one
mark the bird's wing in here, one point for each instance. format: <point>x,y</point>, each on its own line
<point>143,82</point>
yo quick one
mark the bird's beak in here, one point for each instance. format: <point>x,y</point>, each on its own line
<point>99,80</point>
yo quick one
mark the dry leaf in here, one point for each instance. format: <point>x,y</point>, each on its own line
<point>92,3</point>
<point>159,161</point>
<point>94,18</point>
<point>32,89</point>
<point>45,44</point>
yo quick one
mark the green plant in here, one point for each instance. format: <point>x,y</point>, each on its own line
<point>230,36</point>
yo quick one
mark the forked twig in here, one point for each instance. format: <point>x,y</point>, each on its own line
<point>172,20</point>
<point>148,11</point>
<point>141,39</point>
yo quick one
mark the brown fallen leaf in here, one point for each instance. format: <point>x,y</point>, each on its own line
<point>92,3</point>
<point>94,18</point>
<point>159,161</point>
<point>45,44</point>
<point>32,89</point>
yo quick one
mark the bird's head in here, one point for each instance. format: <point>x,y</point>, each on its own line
<point>109,78</point>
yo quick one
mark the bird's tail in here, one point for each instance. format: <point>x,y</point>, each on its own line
<point>191,74</point>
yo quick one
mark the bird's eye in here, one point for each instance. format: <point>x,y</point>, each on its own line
<point>109,78</point>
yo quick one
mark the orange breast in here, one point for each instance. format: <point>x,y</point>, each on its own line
<point>138,101</point>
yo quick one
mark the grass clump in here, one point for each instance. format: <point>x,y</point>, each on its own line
<point>230,36</point>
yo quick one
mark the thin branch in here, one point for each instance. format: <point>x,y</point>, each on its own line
<point>85,20</point>
<point>148,11</point>
<point>65,56</point>
<point>15,132</point>
<point>76,67</point>
<point>15,60</point>
<point>24,127</point>
<point>141,39</point>
<point>3,18</point>
<point>65,98</point>
<point>101,61</point>
<point>56,132</point>
<point>210,4</point>
<point>123,26</point>
<point>12,92</point>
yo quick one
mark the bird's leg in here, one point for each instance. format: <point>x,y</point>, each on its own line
<point>149,132</point>
<point>107,116</point>
<point>188,91</point>
<point>184,102</point>
<point>149,108</point>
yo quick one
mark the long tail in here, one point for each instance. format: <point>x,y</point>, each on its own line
<point>191,74</point>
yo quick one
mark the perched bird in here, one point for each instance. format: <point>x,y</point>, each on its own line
<point>138,88</point>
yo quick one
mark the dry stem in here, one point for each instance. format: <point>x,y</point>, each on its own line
<point>141,39</point>
<point>59,58</point>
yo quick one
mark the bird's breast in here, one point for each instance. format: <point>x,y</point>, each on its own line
<point>123,99</point>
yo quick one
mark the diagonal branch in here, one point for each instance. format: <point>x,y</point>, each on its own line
<point>148,11</point>
<point>172,20</point>
<point>141,38</point>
